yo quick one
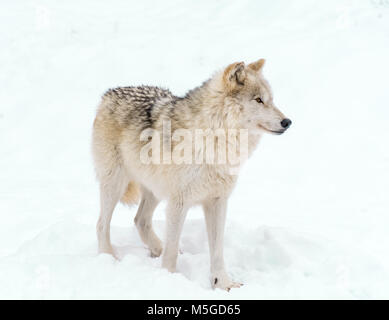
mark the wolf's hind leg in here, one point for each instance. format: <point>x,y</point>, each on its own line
<point>143,222</point>
<point>112,188</point>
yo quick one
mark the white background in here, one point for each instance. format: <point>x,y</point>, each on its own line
<point>309,216</point>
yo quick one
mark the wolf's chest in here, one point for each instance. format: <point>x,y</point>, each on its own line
<point>209,182</point>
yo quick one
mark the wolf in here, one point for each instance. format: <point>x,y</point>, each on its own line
<point>237,97</point>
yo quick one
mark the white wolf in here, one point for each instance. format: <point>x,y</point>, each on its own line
<point>237,97</point>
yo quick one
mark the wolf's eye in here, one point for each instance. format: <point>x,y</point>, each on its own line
<point>259,100</point>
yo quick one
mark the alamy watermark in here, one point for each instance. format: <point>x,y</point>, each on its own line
<point>228,147</point>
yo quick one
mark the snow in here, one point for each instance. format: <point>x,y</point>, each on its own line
<point>309,216</point>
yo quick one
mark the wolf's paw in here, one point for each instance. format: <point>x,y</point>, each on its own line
<point>233,285</point>
<point>108,250</point>
<point>222,281</point>
<point>156,248</point>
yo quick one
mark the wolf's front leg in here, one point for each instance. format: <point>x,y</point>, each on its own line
<point>175,217</point>
<point>215,216</point>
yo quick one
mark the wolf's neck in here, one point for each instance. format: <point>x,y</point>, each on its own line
<point>205,107</point>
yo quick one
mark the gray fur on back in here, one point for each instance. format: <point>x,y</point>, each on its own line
<point>139,105</point>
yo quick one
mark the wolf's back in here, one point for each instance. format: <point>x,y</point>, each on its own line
<point>139,106</point>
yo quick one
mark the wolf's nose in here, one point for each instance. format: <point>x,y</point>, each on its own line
<point>286,123</point>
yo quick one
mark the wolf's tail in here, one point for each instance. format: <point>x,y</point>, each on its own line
<point>132,194</point>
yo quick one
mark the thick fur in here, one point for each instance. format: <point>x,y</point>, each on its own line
<point>226,101</point>
<point>132,194</point>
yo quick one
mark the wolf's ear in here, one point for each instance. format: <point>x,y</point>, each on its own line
<point>257,65</point>
<point>234,75</point>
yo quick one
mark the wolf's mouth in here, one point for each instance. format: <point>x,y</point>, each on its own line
<point>277,132</point>
<point>271,131</point>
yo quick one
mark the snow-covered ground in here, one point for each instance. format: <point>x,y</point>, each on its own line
<point>309,217</point>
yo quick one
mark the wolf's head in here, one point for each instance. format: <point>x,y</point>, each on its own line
<point>247,89</point>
